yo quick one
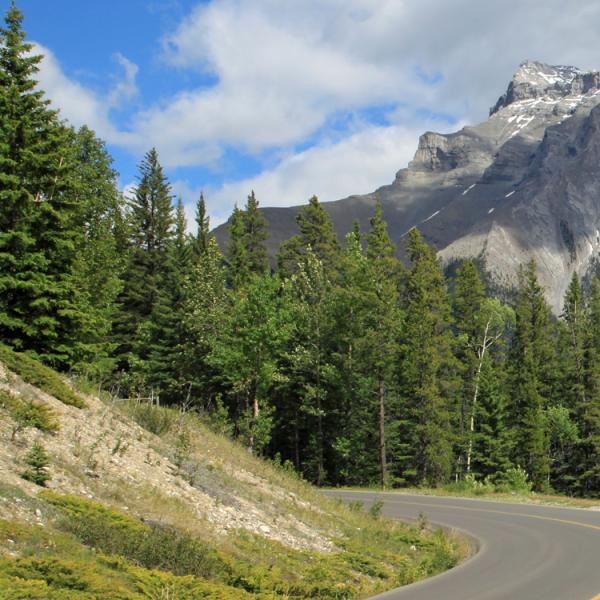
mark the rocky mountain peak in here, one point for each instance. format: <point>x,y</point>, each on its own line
<point>523,184</point>
<point>534,80</point>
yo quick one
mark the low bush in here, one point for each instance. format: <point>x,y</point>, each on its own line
<point>28,413</point>
<point>155,419</point>
<point>35,373</point>
<point>514,480</point>
<point>471,485</point>
<point>152,546</point>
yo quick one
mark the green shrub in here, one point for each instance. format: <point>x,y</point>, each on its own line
<point>155,419</point>
<point>471,485</point>
<point>514,480</point>
<point>37,374</point>
<point>28,413</point>
<point>38,460</point>
<point>152,546</point>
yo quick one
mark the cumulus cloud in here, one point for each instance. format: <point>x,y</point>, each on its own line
<point>126,87</point>
<point>264,77</point>
<point>82,106</point>
<point>354,165</point>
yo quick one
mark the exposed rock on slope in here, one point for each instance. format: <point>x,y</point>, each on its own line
<point>104,455</point>
<point>523,184</point>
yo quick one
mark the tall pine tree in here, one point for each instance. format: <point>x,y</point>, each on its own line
<point>151,232</point>
<point>530,360</point>
<point>427,370</point>
<point>255,235</point>
<point>40,304</point>
<point>316,231</point>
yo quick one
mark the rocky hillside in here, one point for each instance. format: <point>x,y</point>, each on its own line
<point>148,502</point>
<point>523,184</point>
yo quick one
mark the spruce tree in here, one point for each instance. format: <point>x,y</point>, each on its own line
<point>530,360</point>
<point>316,231</point>
<point>427,370</point>
<point>573,333</point>
<point>469,295</point>
<point>571,399</point>
<point>38,459</point>
<point>40,305</point>
<point>384,326</point>
<point>481,324</point>
<point>151,227</point>
<point>163,334</point>
<point>203,227</point>
<point>588,414</point>
<point>255,235</point>
<point>491,448</point>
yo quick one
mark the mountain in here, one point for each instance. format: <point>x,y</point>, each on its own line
<point>523,184</point>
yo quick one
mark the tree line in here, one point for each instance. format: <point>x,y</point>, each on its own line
<point>354,367</point>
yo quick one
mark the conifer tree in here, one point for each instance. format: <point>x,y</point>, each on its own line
<point>469,295</point>
<point>255,235</point>
<point>480,323</point>
<point>163,334</point>
<point>572,345</point>
<point>531,357</point>
<point>588,414</point>
<point>384,327</point>
<point>316,231</point>
<point>40,306</point>
<point>37,458</point>
<point>427,370</point>
<point>203,225</point>
<point>151,227</point>
<point>491,448</point>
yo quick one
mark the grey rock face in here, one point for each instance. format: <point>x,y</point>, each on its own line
<point>523,184</point>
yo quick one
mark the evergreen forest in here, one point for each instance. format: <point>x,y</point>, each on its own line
<point>334,357</point>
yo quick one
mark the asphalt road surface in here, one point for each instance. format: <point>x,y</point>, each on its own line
<point>525,552</point>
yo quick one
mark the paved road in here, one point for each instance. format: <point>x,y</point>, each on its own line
<point>525,552</point>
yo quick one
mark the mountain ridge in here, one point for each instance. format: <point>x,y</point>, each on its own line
<point>517,186</point>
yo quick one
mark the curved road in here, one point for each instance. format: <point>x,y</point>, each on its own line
<point>525,552</point>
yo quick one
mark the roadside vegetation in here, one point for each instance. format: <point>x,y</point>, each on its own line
<point>61,545</point>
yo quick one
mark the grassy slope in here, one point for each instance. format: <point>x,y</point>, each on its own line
<point>198,517</point>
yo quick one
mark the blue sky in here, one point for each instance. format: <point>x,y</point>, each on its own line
<point>288,97</point>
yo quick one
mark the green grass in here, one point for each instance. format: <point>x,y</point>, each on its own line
<point>371,558</point>
<point>54,565</point>
<point>37,374</point>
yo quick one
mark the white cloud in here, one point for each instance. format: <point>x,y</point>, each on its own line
<point>281,69</point>
<point>80,105</point>
<point>126,88</point>
<point>355,165</point>
<point>267,75</point>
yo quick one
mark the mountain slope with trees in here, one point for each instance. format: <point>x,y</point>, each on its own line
<point>352,366</point>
